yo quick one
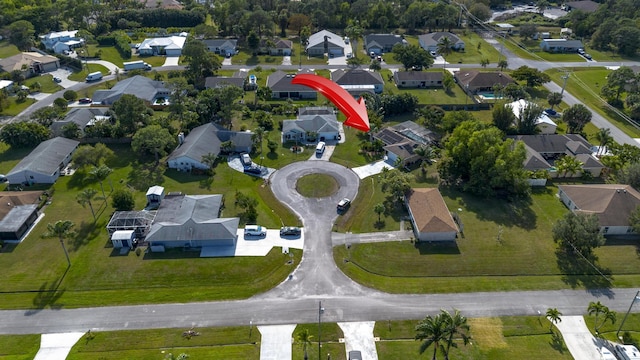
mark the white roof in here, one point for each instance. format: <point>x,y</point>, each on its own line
<point>59,34</point>
<point>122,235</point>
<point>155,190</point>
<point>318,38</point>
<point>171,42</point>
<point>505,26</point>
<point>518,105</point>
<point>5,83</point>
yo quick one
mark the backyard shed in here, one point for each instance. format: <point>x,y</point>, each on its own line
<point>123,238</point>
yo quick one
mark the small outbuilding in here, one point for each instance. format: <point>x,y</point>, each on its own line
<point>123,238</point>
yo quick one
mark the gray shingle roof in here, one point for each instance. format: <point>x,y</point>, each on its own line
<point>318,38</point>
<point>315,123</point>
<point>206,139</point>
<point>46,157</point>
<point>356,77</point>
<point>382,40</point>
<point>221,43</point>
<point>191,217</point>
<point>281,81</point>
<point>552,143</point>
<point>79,116</point>
<point>432,39</point>
<point>222,81</point>
<point>477,79</point>
<point>418,76</point>
<point>140,86</point>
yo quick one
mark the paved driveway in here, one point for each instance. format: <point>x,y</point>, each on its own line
<point>171,61</point>
<point>56,346</point>
<point>578,338</point>
<point>276,342</point>
<point>63,74</point>
<point>359,336</point>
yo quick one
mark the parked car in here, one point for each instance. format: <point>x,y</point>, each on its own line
<point>433,53</point>
<point>290,230</point>
<point>551,113</point>
<point>85,101</point>
<point>245,159</point>
<point>57,79</point>
<point>255,230</point>
<point>355,355</point>
<point>588,57</point>
<point>253,170</point>
<point>344,204</point>
<point>3,178</point>
<point>581,51</point>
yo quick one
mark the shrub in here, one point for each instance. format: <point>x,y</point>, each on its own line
<point>70,95</point>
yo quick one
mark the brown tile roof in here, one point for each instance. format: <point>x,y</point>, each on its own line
<point>10,199</point>
<point>16,62</point>
<point>430,213</point>
<point>613,203</point>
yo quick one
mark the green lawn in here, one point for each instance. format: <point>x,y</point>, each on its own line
<point>427,96</point>
<point>16,347</point>
<point>107,53</point>
<point>46,83</point>
<point>317,185</point>
<point>491,338</point>
<point>523,258</point>
<point>608,331</point>
<point>14,107</point>
<point>82,74</point>
<point>585,84</point>
<point>99,277</point>
<point>7,49</point>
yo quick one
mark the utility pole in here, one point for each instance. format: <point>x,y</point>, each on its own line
<point>564,77</point>
<point>635,298</point>
<point>320,311</point>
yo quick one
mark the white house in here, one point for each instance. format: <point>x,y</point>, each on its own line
<point>319,121</point>
<point>544,124</point>
<point>612,203</point>
<point>170,46</point>
<point>560,45</point>
<point>335,44</point>
<point>430,216</point>
<point>431,41</point>
<point>44,163</point>
<point>60,41</point>
<point>204,140</point>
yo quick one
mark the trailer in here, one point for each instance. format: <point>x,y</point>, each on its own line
<point>136,65</point>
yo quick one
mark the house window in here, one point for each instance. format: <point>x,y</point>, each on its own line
<point>31,177</point>
<point>606,229</point>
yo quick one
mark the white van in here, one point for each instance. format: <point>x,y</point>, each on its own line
<point>94,76</point>
<point>245,159</point>
<point>320,148</point>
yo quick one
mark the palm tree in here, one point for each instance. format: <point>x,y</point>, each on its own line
<point>100,173</point>
<point>304,337</point>
<point>554,98</point>
<point>456,324</point>
<point>85,197</point>
<point>554,317</point>
<point>502,64</point>
<point>568,165</point>
<point>426,154</point>
<point>597,308</point>
<point>209,160</point>
<point>62,230</point>
<point>379,209</point>
<point>484,62</point>
<point>604,138</point>
<point>433,331</point>
<point>444,48</point>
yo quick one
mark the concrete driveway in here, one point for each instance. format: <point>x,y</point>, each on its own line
<point>286,60</point>
<point>63,74</point>
<point>171,61</point>
<point>57,346</point>
<point>373,168</point>
<point>276,342</point>
<point>578,338</point>
<point>359,336</point>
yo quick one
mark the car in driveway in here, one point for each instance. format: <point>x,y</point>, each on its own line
<point>255,230</point>
<point>344,204</point>
<point>587,56</point>
<point>355,355</point>
<point>253,170</point>
<point>57,79</point>
<point>290,231</point>
<point>85,101</point>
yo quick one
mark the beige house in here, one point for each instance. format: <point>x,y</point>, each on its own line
<point>430,216</point>
<point>30,63</point>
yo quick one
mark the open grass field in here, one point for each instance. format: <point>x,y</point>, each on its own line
<point>14,107</point>
<point>19,347</point>
<point>506,246</point>
<point>492,338</point>
<point>46,83</point>
<point>585,84</point>
<point>107,53</point>
<point>36,276</point>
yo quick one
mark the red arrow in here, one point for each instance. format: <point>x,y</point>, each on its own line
<point>356,111</point>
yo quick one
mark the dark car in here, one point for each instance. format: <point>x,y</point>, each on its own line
<point>355,355</point>
<point>85,101</point>
<point>253,170</point>
<point>344,204</point>
<point>587,56</point>
<point>290,230</point>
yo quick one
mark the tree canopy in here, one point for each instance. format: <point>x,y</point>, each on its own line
<point>412,55</point>
<point>578,233</point>
<point>484,163</point>
<point>153,139</point>
<point>533,77</point>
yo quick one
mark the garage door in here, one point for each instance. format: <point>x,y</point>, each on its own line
<point>336,52</point>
